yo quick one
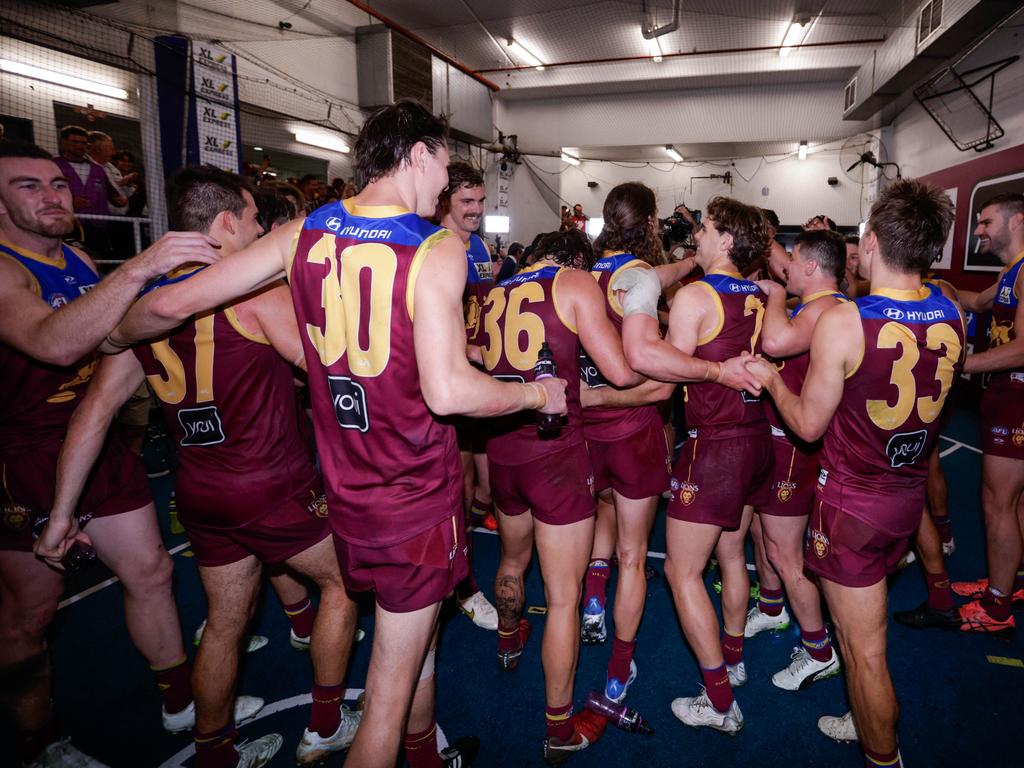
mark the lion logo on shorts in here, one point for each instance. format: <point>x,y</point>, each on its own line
<point>1018,437</point>
<point>820,543</point>
<point>785,492</point>
<point>14,516</point>
<point>318,506</point>
<point>688,492</point>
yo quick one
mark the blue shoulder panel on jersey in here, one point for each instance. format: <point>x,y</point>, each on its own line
<point>163,280</point>
<point>730,284</point>
<point>612,262</point>
<point>403,229</point>
<point>58,286</point>
<point>932,308</point>
<point>1004,292</point>
<point>834,294</point>
<point>529,277</point>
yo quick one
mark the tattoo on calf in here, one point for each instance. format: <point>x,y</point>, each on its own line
<point>509,600</point>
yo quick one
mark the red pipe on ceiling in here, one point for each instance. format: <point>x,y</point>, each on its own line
<point>618,59</point>
<point>417,39</point>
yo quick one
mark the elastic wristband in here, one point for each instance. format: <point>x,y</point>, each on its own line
<point>541,392</point>
<point>718,376</point>
<point>117,344</point>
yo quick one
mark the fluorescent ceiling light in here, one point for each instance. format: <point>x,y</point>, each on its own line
<point>594,226</point>
<point>798,30</point>
<point>802,152</point>
<point>676,157</point>
<point>258,149</point>
<point>496,225</point>
<point>525,55</point>
<point>61,78</point>
<point>567,158</point>
<point>333,143</point>
<point>653,47</point>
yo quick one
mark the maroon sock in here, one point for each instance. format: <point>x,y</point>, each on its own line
<point>622,654</point>
<point>301,615</point>
<point>945,528</point>
<point>559,721</point>
<point>175,684</point>
<point>1018,580</point>
<point>881,759</point>
<point>216,749</point>
<point>596,582</point>
<point>817,644</point>
<point>32,743</point>
<point>421,748</point>
<point>508,636</point>
<point>999,607</point>
<point>716,682</point>
<point>326,714</point>
<point>770,602</point>
<point>732,648</point>
<point>940,596</point>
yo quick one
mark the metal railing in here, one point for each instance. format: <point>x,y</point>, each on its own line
<point>135,221</point>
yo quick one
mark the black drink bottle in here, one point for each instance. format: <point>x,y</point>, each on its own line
<point>548,424</point>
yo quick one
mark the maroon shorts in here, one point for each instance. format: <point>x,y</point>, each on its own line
<point>637,466</point>
<point>288,529</point>
<point>557,489</point>
<point>846,550</point>
<point>1002,422</point>
<point>412,574</point>
<point>793,480</point>
<point>117,484</point>
<point>719,472</point>
<point>472,435</point>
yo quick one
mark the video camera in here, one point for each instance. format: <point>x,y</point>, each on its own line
<point>677,230</point>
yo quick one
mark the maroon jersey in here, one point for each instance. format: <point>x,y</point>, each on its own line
<point>519,315</point>
<point>229,402</point>
<point>609,424</point>
<point>876,448</point>
<point>391,470</point>
<point>740,306</point>
<point>793,371</point>
<point>479,281</point>
<point>37,399</point>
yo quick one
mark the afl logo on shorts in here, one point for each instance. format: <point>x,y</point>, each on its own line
<point>318,506</point>
<point>14,516</point>
<point>785,492</point>
<point>820,543</point>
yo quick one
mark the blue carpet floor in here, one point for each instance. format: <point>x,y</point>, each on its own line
<point>961,695</point>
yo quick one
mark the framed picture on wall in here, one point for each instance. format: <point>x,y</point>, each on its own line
<point>985,190</point>
<point>18,128</point>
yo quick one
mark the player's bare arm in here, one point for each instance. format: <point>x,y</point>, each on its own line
<point>1005,356</point>
<point>782,336</point>
<point>270,314</point>
<point>837,347</point>
<point>978,301</point>
<point>650,392</point>
<point>236,275</point>
<point>580,297</point>
<point>64,336</point>
<point>116,379</point>
<point>450,384</point>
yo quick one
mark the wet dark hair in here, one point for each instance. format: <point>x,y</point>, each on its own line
<point>771,216</point>
<point>746,224</point>
<point>23,149</point>
<point>1012,203</point>
<point>196,195</point>
<point>273,206</point>
<point>627,212</point>
<point>911,220</point>
<point>389,134</point>
<point>571,248</point>
<point>825,247</point>
<point>461,174</point>
<point>851,240</point>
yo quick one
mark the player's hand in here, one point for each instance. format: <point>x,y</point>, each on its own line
<point>770,287</point>
<point>554,388</point>
<point>734,374</point>
<point>760,369</point>
<point>174,249</point>
<point>56,539</point>
<point>642,291</point>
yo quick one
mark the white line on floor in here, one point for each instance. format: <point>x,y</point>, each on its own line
<point>958,444</point>
<point>104,584</point>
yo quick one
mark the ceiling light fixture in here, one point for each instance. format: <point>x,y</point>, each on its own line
<point>570,159</point>
<point>653,47</point>
<point>332,143</point>
<point>61,78</point>
<point>525,55</point>
<point>802,152</point>
<point>795,35</point>
<point>258,149</point>
<point>673,153</point>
